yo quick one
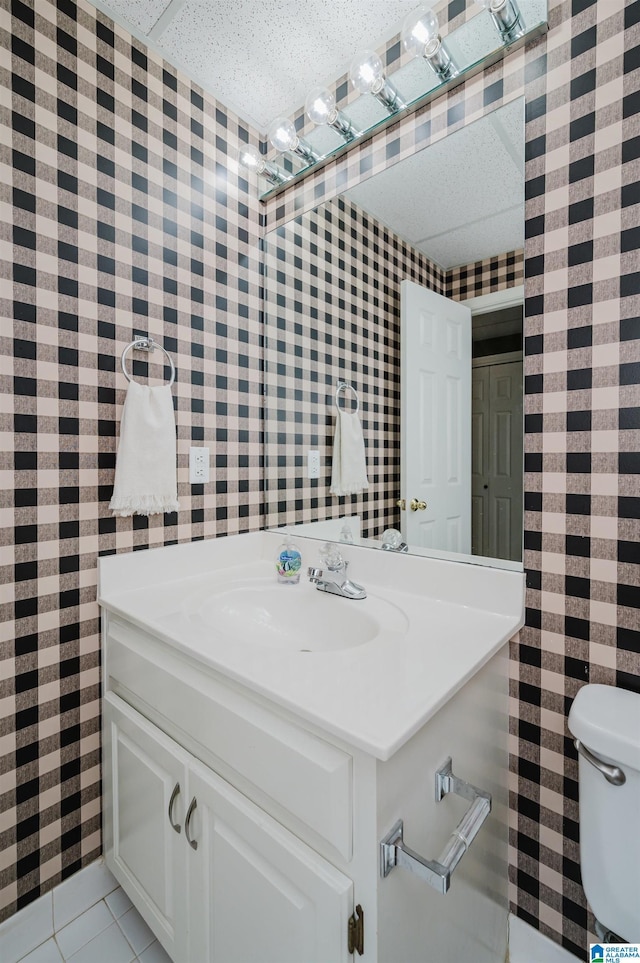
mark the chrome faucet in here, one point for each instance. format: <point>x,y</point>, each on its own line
<point>336,581</point>
<point>392,541</point>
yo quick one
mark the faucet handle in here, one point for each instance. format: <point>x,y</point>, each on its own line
<point>332,558</point>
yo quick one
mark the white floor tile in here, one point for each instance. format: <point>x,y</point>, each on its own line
<point>46,953</point>
<point>81,891</point>
<point>26,929</point>
<point>136,930</point>
<point>118,902</point>
<point>527,944</point>
<point>74,935</point>
<point>109,947</point>
<point>154,954</point>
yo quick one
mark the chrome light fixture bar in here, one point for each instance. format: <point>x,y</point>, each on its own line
<point>472,50</point>
<point>367,76</point>
<point>421,38</point>
<point>282,135</point>
<point>320,107</point>
<point>251,158</point>
<point>506,18</point>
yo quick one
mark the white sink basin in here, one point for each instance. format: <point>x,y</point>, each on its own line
<point>298,618</point>
<point>370,671</point>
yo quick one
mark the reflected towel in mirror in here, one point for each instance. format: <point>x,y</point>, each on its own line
<point>349,467</point>
<point>146,480</point>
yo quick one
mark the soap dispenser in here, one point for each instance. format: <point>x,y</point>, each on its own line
<point>288,563</point>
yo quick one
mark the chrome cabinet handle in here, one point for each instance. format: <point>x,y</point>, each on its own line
<point>192,806</point>
<point>612,774</point>
<point>174,795</point>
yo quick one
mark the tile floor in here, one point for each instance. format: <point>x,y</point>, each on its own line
<point>87,919</point>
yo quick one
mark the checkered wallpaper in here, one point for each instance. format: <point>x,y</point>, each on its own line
<point>122,211</point>
<point>332,307</point>
<point>581,84</point>
<point>486,276</point>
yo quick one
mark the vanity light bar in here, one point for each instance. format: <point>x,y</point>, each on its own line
<point>421,38</point>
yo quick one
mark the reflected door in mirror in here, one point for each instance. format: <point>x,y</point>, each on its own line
<point>436,425</point>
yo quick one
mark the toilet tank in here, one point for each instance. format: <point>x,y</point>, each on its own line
<point>606,720</point>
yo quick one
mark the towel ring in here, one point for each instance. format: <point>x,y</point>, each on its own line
<point>147,344</point>
<point>345,386</point>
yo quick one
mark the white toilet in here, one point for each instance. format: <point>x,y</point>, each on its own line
<point>605,721</point>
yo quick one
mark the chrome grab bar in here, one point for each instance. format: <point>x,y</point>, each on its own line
<point>438,872</point>
<point>612,774</point>
<point>174,795</point>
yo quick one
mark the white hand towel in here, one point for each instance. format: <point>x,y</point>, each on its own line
<point>349,466</point>
<point>146,475</point>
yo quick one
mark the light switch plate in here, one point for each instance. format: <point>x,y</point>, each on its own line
<point>199,471</point>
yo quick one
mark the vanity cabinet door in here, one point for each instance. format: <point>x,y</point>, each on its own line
<point>259,894</point>
<point>144,820</point>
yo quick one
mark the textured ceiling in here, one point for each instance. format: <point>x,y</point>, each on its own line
<point>261,58</point>
<point>461,199</point>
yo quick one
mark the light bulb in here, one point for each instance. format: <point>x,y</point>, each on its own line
<point>419,30</point>
<point>251,158</point>
<point>421,38</point>
<point>282,134</point>
<point>320,105</point>
<point>366,72</point>
<point>367,76</point>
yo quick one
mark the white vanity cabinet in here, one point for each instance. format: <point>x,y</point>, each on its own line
<point>258,892</point>
<point>248,788</point>
<point>228,882</point>
<point>141,768</point>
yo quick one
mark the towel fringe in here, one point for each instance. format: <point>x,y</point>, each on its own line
<point>144,505</point>
<point>356,489</point>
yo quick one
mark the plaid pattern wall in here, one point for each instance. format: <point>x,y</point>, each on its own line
<point>332,293</point>
<point>581,85</point>
<point>121,213</point>
<point>484,277</point>
<point>75,161</point>
<point>332,311</point>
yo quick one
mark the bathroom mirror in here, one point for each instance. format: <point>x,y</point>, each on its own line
<point>356,291</point>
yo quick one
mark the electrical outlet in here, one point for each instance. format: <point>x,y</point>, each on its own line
<point>313,464</point>
<point>198,466</point>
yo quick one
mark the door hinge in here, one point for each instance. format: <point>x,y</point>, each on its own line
<point>356,931</point>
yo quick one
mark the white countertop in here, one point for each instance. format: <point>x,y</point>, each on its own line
<point>374,696</point>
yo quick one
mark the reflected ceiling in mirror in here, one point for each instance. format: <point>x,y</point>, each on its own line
<point>473,46</point>
<point>450,219</point>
